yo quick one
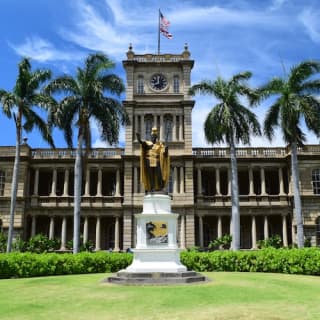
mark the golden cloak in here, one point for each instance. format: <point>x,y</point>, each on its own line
<point>158,149</point>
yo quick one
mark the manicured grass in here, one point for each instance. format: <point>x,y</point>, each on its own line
<point>227,296</point>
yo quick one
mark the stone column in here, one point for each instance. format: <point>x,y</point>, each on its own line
<point>64,234</point>
<point>229,182</point>
<point>284,231</point>
<point>99,185</point>
<point>33,226</point>
<point>142,126</point>
<point>116,235</point>
<point>182,179</point>
<point>155,120</point>
<point>251,186</point>
<point>182,232</point>
<point>219,227</point>
<point>201,231</point>
<point>54,183</point>
<point>51,228</point>
<point>98,234</point>
<point>263,182</point>
<point>254,232</point>
<point>66,183</point>
<point>175,180</point>
<point>118,182</point>
<point>266,228</point>
<point>127,230</point>
<point>180,128</point>
<point>85,229</point>
<point>218,192</point>
<point>135,179</point>
<point>281,185</point>
<point>36,182</point>
<point>87,185</point>
<point>136,124</point>
<point>174,128</point>
<point>199,182</point>
<point>161,128</point>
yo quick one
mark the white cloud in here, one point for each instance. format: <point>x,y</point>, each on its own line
<point>92,31</point>
<point>277,4</point>
<point>43,50</point>
<point>310,19</point>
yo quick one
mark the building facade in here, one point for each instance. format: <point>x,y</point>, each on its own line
<point>157,96</point>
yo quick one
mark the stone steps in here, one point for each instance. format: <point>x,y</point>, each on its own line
<point>153,278</point>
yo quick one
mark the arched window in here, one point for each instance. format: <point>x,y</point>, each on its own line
<point>176,84</point>
<point>2,182</point>
<point>140,85</point>
<point>316,181</point>
<point>168,127</point>
<point>148,122</point>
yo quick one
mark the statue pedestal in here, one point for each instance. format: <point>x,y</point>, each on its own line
<point>156,257</point>
<point>156,249</point>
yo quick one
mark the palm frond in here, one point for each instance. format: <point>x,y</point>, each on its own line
<point>301,72</point>
<point>38,77</point>
<point>34,120</point>
<point>112,83</point>
<point>204,87</point>
<point>246,75</point>
<point>8,101</point>
<point>271,120</point>
<point>64,84</point>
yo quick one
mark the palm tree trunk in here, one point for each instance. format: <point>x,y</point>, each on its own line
<point>296,195</point>
<point>235,216</point>
<point>14,186</point>
<point>77,195</point>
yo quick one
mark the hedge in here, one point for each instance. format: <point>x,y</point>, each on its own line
<point>292,261</point>
<point>21,265</point>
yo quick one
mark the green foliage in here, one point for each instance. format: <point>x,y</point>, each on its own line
<point>20,265</point>
<point>41,243</point>
<point>223,241</point>
<point>3,242</point>
<point>293,261</point>
<point>273,242</point>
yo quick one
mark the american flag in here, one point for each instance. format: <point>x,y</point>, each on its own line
<point>164,25</point>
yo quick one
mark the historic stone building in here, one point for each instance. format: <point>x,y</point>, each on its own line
<point>157,95</point>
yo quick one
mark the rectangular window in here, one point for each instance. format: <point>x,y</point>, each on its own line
<point>140,85</point>
<point>316,181</point>
<point>2,182</point>
<point>176,84</point>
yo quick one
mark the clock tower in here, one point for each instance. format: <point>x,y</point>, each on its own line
<point>157,96</point>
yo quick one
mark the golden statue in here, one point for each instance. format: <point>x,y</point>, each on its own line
<point>154,162</point>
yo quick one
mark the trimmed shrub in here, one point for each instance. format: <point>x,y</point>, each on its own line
<point>20,265</point>
<point>292,261</point>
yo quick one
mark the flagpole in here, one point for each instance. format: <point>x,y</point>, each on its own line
<point>159,33</point>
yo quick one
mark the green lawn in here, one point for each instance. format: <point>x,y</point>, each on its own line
<point>227,296</point>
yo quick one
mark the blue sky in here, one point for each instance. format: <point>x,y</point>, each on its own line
<point>224,37</point>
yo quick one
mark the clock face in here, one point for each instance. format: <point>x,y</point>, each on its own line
<point>158,81</point>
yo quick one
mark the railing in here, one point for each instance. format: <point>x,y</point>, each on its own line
<point>158,57</point>
<point>100,153</point>
<point>240,152</point>
<point>67,201</point>
<point>226,199</point>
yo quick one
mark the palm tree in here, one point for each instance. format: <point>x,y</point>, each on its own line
<point>83,100</point>
<point>294,101</point>
<point>230,122</point>
<point>18,105</point>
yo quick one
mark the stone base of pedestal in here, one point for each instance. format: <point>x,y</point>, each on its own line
<point>156,260</point>
<point>156,278</point>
